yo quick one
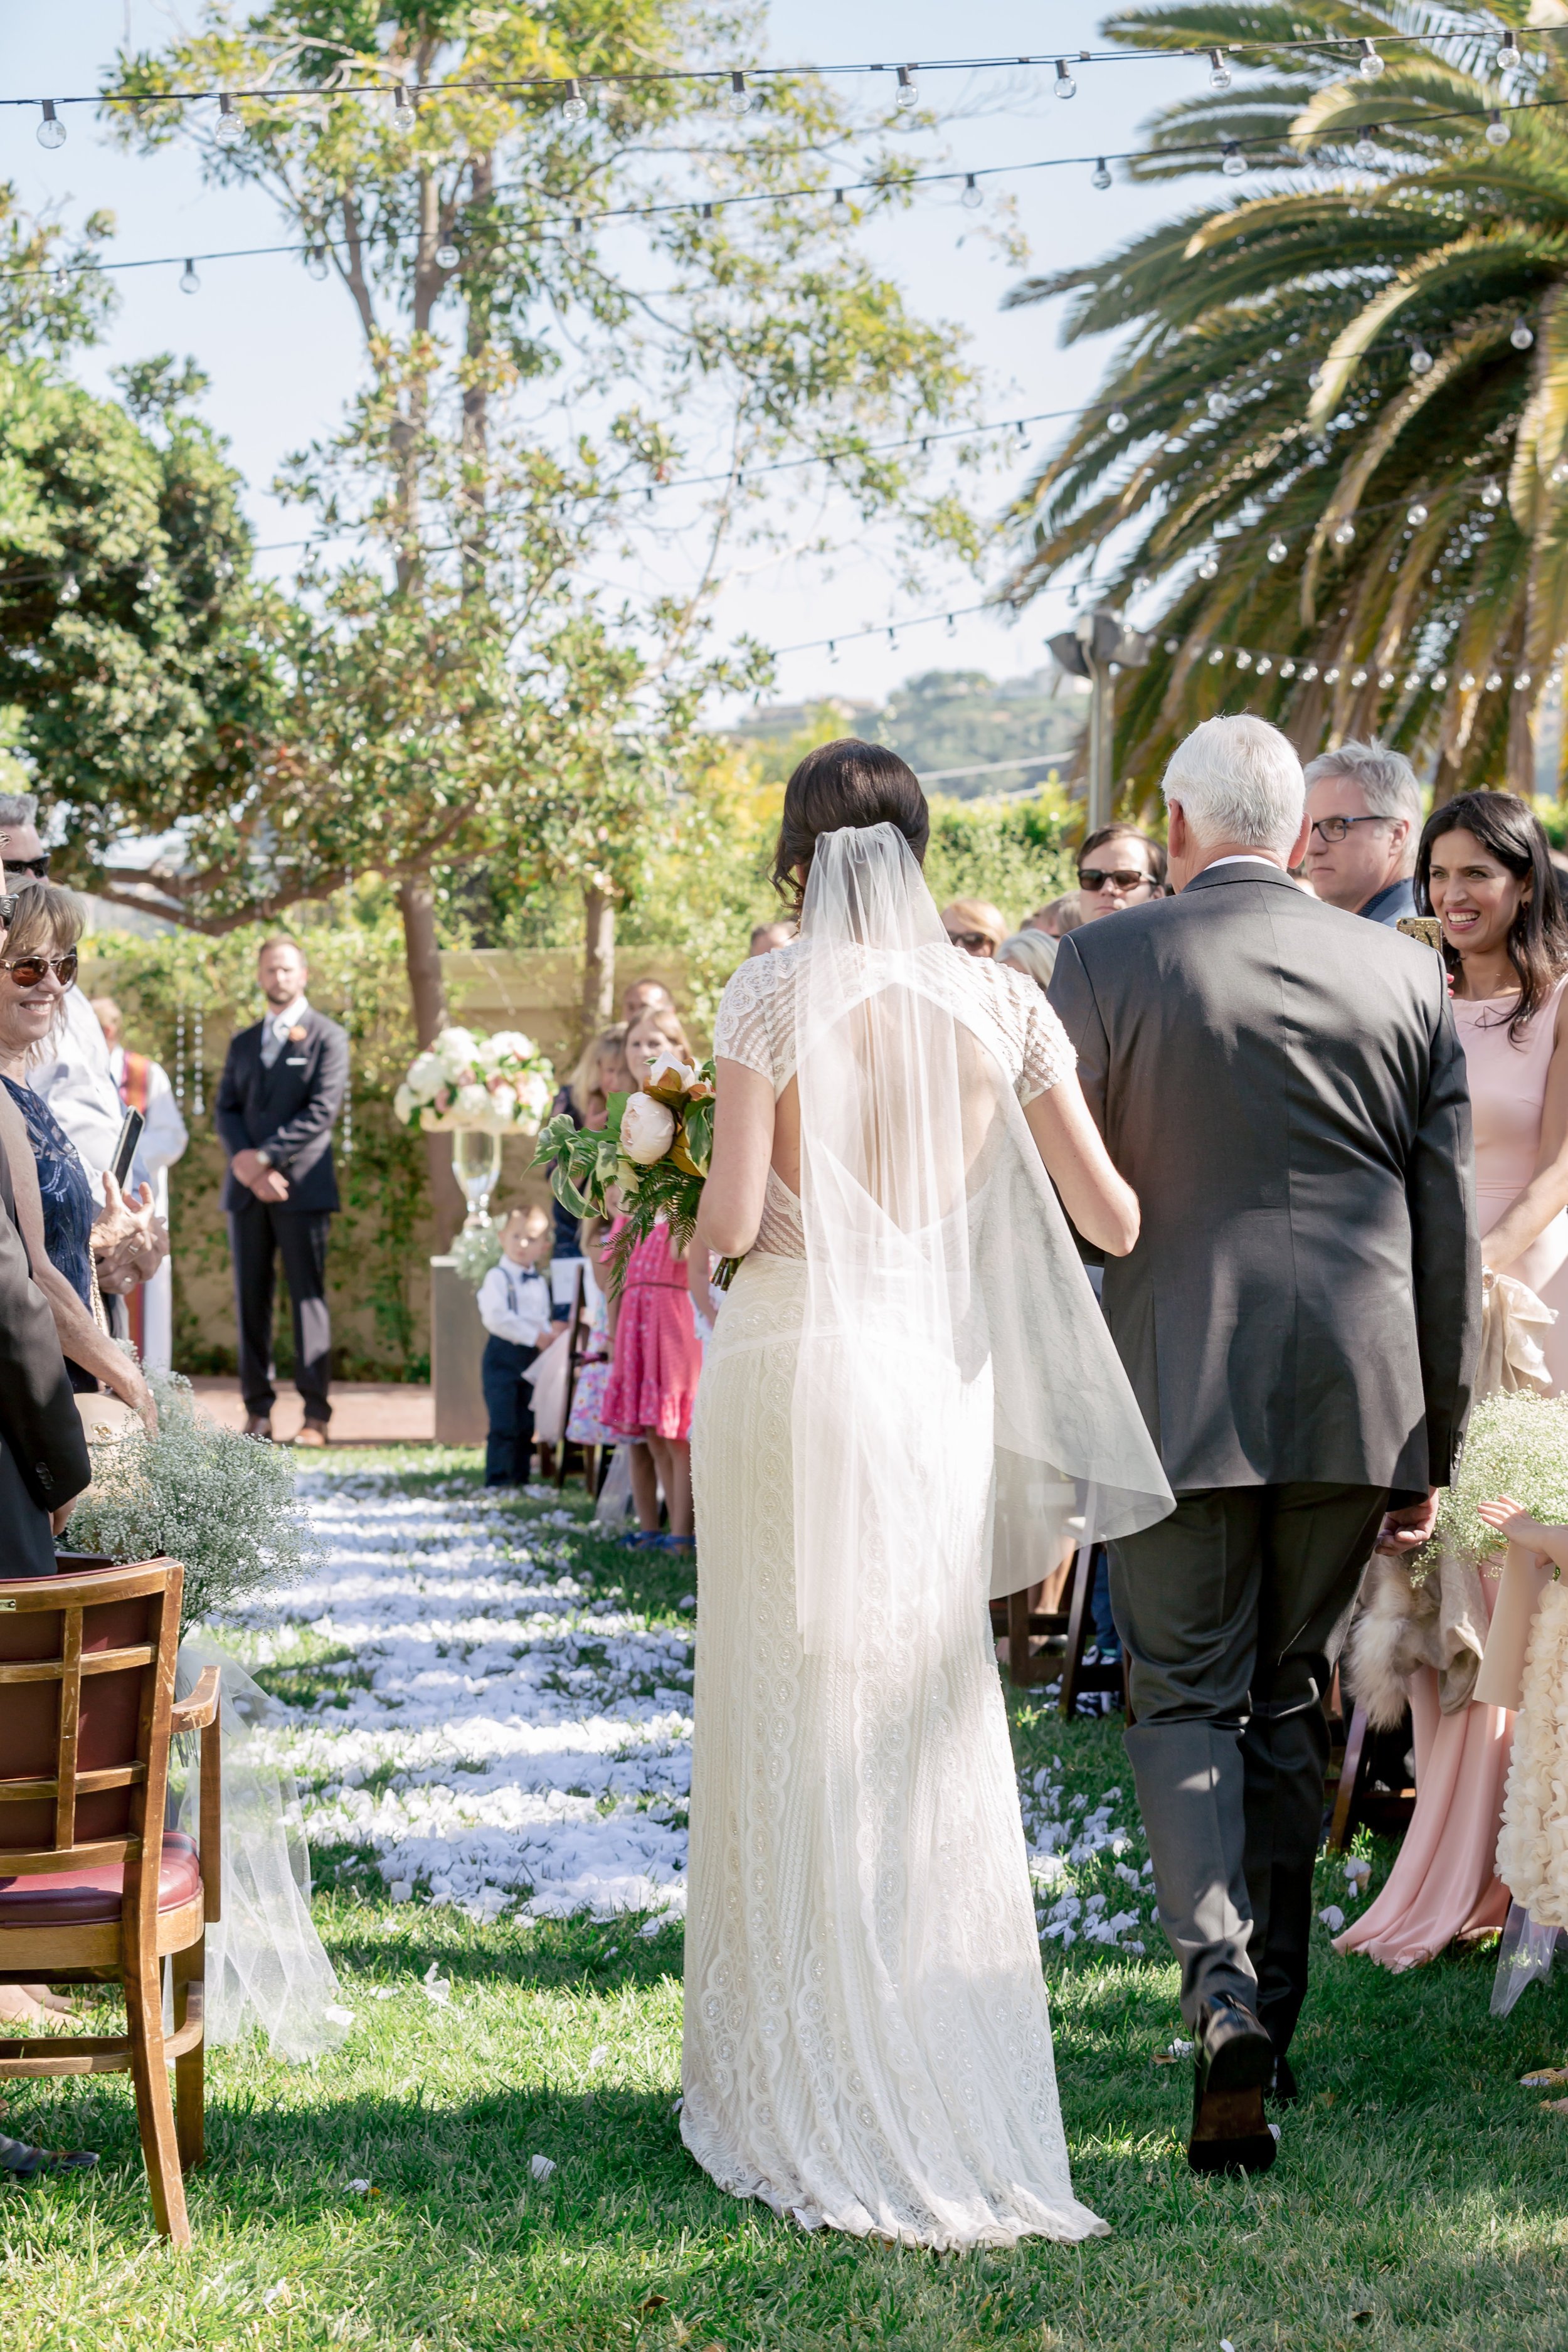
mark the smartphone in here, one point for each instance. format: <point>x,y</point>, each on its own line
<point>125,1150</point>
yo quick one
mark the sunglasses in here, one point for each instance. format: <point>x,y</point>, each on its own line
<point>1095,877</point>
<point>39,867</point>
<point>973,942</point>
<point>27,972</point>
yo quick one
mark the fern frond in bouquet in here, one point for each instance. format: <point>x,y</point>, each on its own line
<point>649,1162</point>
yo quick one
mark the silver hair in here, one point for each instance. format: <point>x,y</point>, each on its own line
<point>17,809</point>
<point>1385,779</point>
<point>1239,781</point>
<point>1031,951</point>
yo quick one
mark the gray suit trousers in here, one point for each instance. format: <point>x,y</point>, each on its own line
<point>1232,1612</point>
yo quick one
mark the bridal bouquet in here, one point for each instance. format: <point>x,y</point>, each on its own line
<point>652,1153</point>
<point>1516,1444</point>
<point>464,1081</point>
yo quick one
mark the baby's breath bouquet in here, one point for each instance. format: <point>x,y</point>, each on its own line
<point>221,1503</point>
<point>1517,1443</point>
<point>652,1153</point>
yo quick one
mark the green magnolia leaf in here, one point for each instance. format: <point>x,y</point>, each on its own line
<point>699,1127</point>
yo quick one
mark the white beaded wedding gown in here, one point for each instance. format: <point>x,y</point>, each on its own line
<point>867,2042</point>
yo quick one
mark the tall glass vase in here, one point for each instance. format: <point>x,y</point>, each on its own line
<point>476,1163</point>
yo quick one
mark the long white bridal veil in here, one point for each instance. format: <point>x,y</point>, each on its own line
<point>955,1378</point>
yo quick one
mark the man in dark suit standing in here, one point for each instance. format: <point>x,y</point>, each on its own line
<point>282,1088</point>
<point>1283,1086</point>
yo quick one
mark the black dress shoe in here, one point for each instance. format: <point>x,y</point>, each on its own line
<point>1283,2090</point>
<point>1235,2060</point>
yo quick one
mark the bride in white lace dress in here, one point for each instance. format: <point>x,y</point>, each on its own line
<point>907,1398</point>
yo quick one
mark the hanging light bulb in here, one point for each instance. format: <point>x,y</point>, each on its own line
<point>1101,178</point>
<point>1497,132</point>
<point>1494,679</point>
<point>1216,656</point>
<point>1522,336</point>
<point>1415,516</point>
<point>1287,669</point>
<point>1521,682</point>
<point>401,104</point>
<point>1492,496</point>
<point>1117,421</point>
<point>1243,661</point>
<point>228,129</point>
<point>740,96</point>
<point>448,255</point>
<point>51,130</point>
<point>1358,678</point>
<point>1314,377</point>
<point>1233,162</point>
<point>1172,645</point>
<point>1209,568</point>
<point>906,95</point>
<point>1278,550</point>
<point>316,263</point>
<point>1065,85</point>
<point>1330,677</point>
<point>190,283</point>
<point>971,198</point>
<point>1369,64</point>
<point>1365,152</point>
<point>952,626</point>
<point>1309,672</point>
<point>1344,532</point>
<point>1508,56</point>
<point>69,592</point>
<point>1420,361</point>
<point>1439,680</point>
<point>1466,683</point>
<point>1263,665</point>
<point>574,106</point>
<point>1220,75</point>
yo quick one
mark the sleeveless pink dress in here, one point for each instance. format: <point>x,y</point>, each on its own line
<point>657,1355</point>
<point>1445,1882</point>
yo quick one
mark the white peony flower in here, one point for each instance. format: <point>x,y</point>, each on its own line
<point>425,1075</point>
<point>503,1101</point>
<point>403,1105</point>
<point>510,1045</point>
<point>647,1130</point>
<point>533,1094</point>
<point>456,1049</point>
<point>473,1102</point>
<point>672,1065</point>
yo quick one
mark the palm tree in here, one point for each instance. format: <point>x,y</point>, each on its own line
<point>1337,429</point>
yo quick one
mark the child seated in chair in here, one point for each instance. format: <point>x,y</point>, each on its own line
<point>515,1308</point>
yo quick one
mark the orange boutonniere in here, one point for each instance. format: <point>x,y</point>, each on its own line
<point>297,1036</point>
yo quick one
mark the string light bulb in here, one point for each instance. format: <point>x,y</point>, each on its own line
<point>316,263</point>
<point>401,104</point>
<point>574,106</point>
<point>51,130</point>
<point>1220,75</point>
<point>190,283</point>
<point>1233,163</point>
<point>1209,568</point>
<point>69,591</point>
<point>1509,59</point>
<point>1415,516</point>
<point>1344,532</point>
<point>906,95</point>
<point>1365,152</point>
<point>740,96</point>
<point>1065,85</point>
<point>1492,496</point>
<point>1497,132</point>
<point>1278,550</point>
<point>448,255</point>
<point>1420,361</point>
<point>1100,176</point>
<point>228,129</point>
<point>971,197</point>
<point>1523,335</point>
<point>1117,421</point>
<point>1439,680</point>
<point>1369,64</point>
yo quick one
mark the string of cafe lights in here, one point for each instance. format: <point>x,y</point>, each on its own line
<point>744,82</point>
<point>1412,679</point>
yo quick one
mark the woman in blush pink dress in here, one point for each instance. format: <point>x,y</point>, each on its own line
<point>1485,870</point>
<point>656,1353</point>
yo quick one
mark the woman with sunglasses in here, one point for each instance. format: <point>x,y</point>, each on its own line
<point>61,1222</point>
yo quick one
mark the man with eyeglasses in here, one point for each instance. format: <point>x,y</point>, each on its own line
<point>1119,867</point>
<point>1364,804</point>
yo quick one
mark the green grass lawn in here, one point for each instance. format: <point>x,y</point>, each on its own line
<point>1421,2196</point>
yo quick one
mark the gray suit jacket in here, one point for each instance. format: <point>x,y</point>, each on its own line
<point>1282,1086</point>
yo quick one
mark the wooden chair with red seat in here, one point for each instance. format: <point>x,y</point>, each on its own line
<point>93,1888</point>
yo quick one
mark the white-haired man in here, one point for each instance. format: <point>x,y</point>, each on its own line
<point>1364,805</point>
<point>1283,1088</point>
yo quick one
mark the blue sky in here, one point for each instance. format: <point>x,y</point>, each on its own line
<point>283,352</point>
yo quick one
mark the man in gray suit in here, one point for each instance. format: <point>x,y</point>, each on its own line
<point>1282,1086</point>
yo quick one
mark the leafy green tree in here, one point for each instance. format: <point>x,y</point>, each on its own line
<point>1336,426</point>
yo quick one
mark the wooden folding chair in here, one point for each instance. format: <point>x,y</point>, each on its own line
<point>93,1888</point>
<point>1036,1635</point>
<point>1374,1787</point>
<point>1105,1674</point>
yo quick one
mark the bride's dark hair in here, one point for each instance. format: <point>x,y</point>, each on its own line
<point>847,783</point>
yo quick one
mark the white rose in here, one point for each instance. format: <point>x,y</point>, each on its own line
<point>424,1075</point>
<point>403,1105</point>
<point>647,1130</point>
<point>455,1049</point>
<point>672,1065</point>
<point>472,1102</point>
<point>510,1045</point>
<point>533,1092</point>
<point>503,1101</point>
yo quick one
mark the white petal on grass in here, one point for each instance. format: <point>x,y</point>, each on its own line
<point>1332,1918</point>
<point>358,2187</point>
<point>541,2167</point>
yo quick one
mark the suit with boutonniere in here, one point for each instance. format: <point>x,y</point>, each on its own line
<point>282,1088</point>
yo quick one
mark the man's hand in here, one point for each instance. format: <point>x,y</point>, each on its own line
<point>247,1167</point>
<point>60,1520</point>
<point>1410,1526</point>
<point>268,1183</point>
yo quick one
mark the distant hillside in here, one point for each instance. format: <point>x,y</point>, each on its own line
<point>960,731</point>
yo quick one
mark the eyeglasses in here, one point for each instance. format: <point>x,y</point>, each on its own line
<point>39,867</point>
<point>27,972</point>
<point>1334,828</point>
<point>1095,877</point>
<point>973,942</point>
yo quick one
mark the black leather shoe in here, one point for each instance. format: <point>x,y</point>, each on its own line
<point>1234,2062</point>
<point>1283,2090</point>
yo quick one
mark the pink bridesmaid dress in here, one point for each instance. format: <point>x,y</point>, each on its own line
<point>658,1356</point>
<point>1445,1882</point>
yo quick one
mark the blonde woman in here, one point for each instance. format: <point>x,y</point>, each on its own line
<point>64,1227</point>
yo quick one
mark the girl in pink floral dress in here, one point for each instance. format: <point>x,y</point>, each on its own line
<point>657,1355</point>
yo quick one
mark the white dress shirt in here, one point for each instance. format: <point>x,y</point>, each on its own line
<point>514,1304</point>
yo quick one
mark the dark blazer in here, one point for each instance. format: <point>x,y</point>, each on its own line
<point>40,1422</point>
<point>1283,1086</point>
<point>287,1110</point>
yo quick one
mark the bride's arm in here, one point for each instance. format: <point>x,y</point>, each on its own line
<point>732,1207</point>
<point>1102,1204</point>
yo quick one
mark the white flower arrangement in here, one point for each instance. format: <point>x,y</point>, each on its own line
<point>493,1084</point>
<point>1517,1443</point>
<point>221,1503</point>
